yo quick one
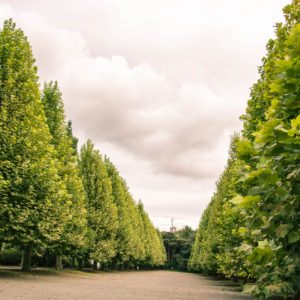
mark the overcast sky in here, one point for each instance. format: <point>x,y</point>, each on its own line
<point>158,85</point>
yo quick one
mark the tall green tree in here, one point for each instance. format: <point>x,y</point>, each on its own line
<point>195,260</point>
<point>155,254</point>
<point>178,247</point>
<point>32,196</point>
<point>139,244</point>
<point>273,184</point>
<point>73,239</point>
<point>130,249</point>
<point>102,215</point>
<point>254,232</point>
<point>216,236</point>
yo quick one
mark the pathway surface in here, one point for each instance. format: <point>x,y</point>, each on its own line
<point>160,285</point>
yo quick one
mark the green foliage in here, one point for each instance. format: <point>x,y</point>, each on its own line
<point>31,193</point>
<point>251,227</point>
<point>139,244</point>
<point>50,201</point>
<point>72,137</point>
<point>155,253</point>
<point>275,252</point>
<point>73,239</point>
<point>102,216</point>
<point>10,257</point>
<point>217,235</point>
<point>129,243</point>
<point>178,247</point>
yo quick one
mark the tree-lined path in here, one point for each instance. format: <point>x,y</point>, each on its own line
<point>68,208</point>
<point>153,285</point>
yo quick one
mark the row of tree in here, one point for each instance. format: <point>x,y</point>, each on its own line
<point>250,229</point>
<point>52,198</point>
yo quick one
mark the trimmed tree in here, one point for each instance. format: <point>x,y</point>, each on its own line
<point>73,239</point>
<point>102,215</point>
<point>31,192</point>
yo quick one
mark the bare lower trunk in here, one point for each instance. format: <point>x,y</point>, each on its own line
<point>80,264</point>
<point>26,259</point>
<point>73,262</point>
<point>58,263</point>
<point>95,265</point>
<point>22,258</point>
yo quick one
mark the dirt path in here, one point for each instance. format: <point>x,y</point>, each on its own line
<point>162,285</point>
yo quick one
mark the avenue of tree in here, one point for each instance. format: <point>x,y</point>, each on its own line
<point>250,229</point>
<point>53,199</point>
<point>58,202</point>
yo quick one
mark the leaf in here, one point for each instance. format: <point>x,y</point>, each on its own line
<point>294,237</point>
<point>245,202</point>
<point>245,149</point>
<point>282,230</point>
<point>295,126</point>
<point>249,288</point>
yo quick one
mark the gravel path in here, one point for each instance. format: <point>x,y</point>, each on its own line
<point>162,285</point>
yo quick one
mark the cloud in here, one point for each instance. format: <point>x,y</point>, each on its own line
<point>140,110</point>
<point>6,11</point>
<point>135,108</point>
<point>157,85</point>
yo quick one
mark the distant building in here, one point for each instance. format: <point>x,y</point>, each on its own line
<point>172,228</point>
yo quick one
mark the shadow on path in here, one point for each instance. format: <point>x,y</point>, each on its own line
<point>225,285</point>
<point>16,273</point>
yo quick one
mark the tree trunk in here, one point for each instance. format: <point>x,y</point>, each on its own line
<point>26,259</point>
<point>169,254</point>
<point>95,265</point>
<point>80,264</point>
<point>22,259</point>
<point>58,264</point>
<point>47,259</point>
<point>73,262</point>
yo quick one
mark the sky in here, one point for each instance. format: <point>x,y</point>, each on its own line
<point>158,85</point>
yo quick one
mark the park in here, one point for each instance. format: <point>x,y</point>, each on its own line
<point>134,162</point>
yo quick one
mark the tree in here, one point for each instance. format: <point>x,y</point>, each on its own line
<point>273,183</point>
<point>102,216</point>
<point>73,239</point>
<point>178,246</point>
<point>251,227</point>
<point>138,252</point>
<point>31,192</point>
<point>155,253</point>
<point>217,235</point>
<point>130,249</point>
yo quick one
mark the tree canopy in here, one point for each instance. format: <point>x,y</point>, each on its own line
<point>250,229</point>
